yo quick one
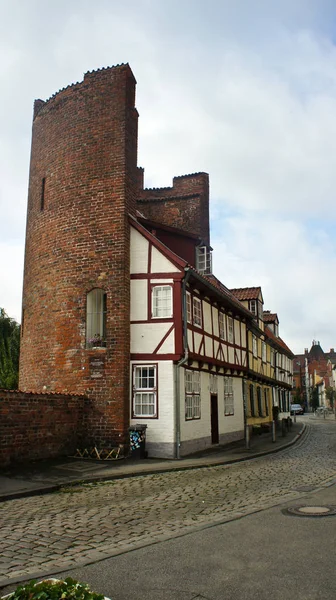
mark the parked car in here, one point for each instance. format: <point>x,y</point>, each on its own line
<point>296,409</point>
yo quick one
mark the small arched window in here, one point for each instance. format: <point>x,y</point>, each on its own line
<point>96,318</point>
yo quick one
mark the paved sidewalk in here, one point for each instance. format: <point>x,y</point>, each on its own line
<point>45,476</point>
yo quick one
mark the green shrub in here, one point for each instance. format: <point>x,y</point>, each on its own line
<point>69,589</point>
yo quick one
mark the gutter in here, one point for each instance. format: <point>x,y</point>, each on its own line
<point>181,362</point>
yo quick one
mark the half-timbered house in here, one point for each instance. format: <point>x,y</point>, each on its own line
<point>188,348</point>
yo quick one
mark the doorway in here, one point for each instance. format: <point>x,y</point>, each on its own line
<point>214,419</point>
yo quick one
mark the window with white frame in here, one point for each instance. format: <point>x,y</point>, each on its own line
<point>204,259</point>
<point>228,396</point>
<point>230,330</point>
<point>162,301</point>
<point>192,395</point>
<point>145,391</point>
<point>272,357</point>
<point>263,351</point>
<point>213,383</point>
<point>197,311</point>
<point>189,308</point>
<point>96,318</point>
<point>253,307</point>
<point>221,325</point>
<point>254,346</point>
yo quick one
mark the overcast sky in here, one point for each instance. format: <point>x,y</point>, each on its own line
<point>244,90</point>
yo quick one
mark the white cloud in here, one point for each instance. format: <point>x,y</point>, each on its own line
<point>244,91</point>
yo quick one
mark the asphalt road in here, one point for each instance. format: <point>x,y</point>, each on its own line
<point>68,529</point>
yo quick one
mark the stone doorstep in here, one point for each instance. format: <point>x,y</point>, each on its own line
<point>50,579</point>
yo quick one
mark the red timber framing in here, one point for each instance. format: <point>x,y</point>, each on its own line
<point>205,344</point>
<point>172,279</point>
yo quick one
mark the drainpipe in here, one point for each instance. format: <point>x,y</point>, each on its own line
<point>181,362</point>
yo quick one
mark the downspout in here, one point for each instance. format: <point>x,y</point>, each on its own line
<point>181,362</point>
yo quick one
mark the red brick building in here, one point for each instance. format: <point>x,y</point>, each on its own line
<point>84,185</point>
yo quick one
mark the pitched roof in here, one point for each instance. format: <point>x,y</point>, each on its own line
<point>278,341</point>
<point>207,280</point>
<point>249,293</point>
<point>269,317</point>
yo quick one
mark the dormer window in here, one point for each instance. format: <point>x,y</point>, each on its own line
<point>204,260</point>
<point>253,307</point>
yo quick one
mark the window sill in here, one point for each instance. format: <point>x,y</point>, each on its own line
<point>96,348</point>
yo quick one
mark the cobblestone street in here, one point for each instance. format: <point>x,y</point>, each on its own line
<point>81,525</point>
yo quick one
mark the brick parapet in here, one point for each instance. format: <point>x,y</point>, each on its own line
<point>184,205</point>
<point>35,426</point>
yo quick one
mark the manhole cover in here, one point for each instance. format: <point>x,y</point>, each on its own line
<point>310,511</point>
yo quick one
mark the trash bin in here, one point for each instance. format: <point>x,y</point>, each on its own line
<point>138,441</point>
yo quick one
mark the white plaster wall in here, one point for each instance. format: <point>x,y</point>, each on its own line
<point>190,340</point>
<point>207,317</point>
<point>196,428</point>
<point>197,339</point>
<point>160,264</point>
<point>208,345</point>
<point>200,428</point>
<point>215,320</point>
<point>231,423</point>
<point>146,336</point>
<point>139,300</point>
<point>243,331</point>
<point>168,345</point>
<point>160,430</point>
<point>139,252</point>
<point>237,332</point>
<point>231,355</point>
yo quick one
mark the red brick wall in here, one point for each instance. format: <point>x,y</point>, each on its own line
<point>35,426</point>
<point>84,145</point>
<point>185,205</point>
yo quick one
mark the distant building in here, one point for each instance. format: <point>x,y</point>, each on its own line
<point>314,369</point>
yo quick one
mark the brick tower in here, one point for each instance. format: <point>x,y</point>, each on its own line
<point>82,187</point>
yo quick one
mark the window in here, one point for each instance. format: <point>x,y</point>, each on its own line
<point>197,311</point>
<point>145,391</point>
<point>254,346</point>
<point>96,318</point>
<point>192,395</point>
<point>213,384</point>
<point>230,330</point>
<point>259,398</point>
<point>221,325</point>
<point>263,351</point>
<point>253,307</point>
<point>162,301</point>
<point>272,357</point>
<point>252,406</point>
<point>276,330</point>
<point>203,259</point>
<point>189,308</point>
<point>266,401</point>
<point>228,396</point>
